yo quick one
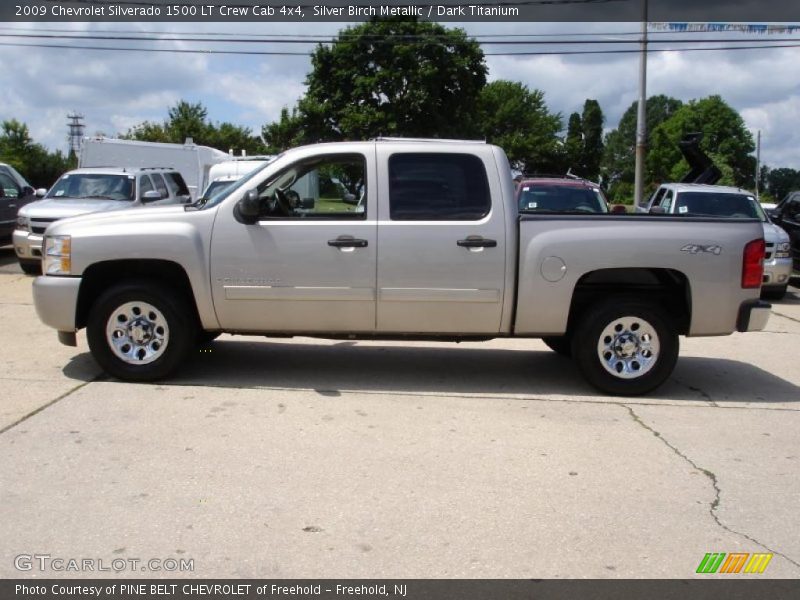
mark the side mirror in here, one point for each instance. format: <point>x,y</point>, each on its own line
<point>350,198</point>
<point>248,208</point>
<point>773,213</point>
<point>27,191</point>
<point>151,196</point>
<point>619,209</point>
<point>40,193</point>
<point>657,210</point>
<point>307,203</point>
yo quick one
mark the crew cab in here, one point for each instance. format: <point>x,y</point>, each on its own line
<point>434,248</point>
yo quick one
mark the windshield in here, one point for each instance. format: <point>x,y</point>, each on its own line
<point>216,187</point>
<point>221,194</point>
<point>717,204</point>
<point>560,198</point>
<point>98,186</point>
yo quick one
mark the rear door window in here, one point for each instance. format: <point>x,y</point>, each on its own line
<point>438,187</point>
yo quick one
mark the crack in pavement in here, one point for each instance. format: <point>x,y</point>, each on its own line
<point>786,316</point>
<point>49,404</point>
<point>711,476</point>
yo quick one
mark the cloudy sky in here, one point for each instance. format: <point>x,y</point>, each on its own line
<point>115,90</point>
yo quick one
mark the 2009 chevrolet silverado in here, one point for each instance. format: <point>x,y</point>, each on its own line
<point>398,239</point>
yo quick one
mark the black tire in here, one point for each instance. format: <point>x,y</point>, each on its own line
<point>774,293</point>
<point>560,344</point>
<point>171,313</point>
<point>31,267</point>
<point>628,370</point>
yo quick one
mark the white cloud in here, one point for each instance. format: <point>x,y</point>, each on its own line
<point>116,90</point>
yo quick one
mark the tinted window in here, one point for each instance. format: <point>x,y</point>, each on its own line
<point>176,184</point>
<point>543,197</point>
<point>8,187</point>
<point>437,187</point>
<point>717,205</point>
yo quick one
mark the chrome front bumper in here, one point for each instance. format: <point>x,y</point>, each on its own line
<point>28,246</point>
<point>777,272</point>
<point>56,301</point>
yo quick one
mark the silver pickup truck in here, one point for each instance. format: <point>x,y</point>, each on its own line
<point>398,239</point>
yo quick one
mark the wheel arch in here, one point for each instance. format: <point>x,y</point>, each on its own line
<point>668,289</point>
<point>101,276</point>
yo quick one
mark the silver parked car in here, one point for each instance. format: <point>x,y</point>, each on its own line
<point>92,190</point>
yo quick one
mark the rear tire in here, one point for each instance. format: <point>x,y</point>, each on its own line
<point>31,267</point>
<point>560,344</point>
<point>625,347</point>
<point>140,331</point>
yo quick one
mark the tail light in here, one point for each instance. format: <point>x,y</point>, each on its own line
<point>753,264</point>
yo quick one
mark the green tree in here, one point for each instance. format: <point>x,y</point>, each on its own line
<point>725,139</point>
<point>620,144</point>
<point>389,77</point>
<point>516,119</point>
<point>592,121</point>
<point>39,166</point>
<point>573,143</point>
<point>782,181</point>
<point>187,120</point>
<point>284,133</point>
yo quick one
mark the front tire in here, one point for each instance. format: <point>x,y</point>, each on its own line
<point>140,331</point>
<point>625,347</point>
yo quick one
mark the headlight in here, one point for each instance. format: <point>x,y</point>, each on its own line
<point>782,250</point>
<point>57,255</point>
<point>23,223</point>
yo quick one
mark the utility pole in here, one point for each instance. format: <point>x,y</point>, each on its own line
<point>641,116</point>
<point>758,160</point>
<point>75,136</point>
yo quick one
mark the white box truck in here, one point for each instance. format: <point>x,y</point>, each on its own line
<point>192,161</point>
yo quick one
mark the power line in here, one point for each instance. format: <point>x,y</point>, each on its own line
<point>411,39</point>
<point>276,53</point>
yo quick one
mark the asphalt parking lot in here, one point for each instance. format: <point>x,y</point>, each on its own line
<point>307,458</point>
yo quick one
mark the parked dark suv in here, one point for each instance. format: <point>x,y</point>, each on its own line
<point>787,215</point>
<point>15,192</point>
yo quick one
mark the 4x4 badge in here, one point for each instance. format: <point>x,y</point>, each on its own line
<point>697,248</point>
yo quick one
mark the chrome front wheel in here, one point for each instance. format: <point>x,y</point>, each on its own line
<point>137,333</point>
<point>141,330</point>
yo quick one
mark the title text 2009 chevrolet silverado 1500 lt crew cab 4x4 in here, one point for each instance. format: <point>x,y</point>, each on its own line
<point>389,239</point>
